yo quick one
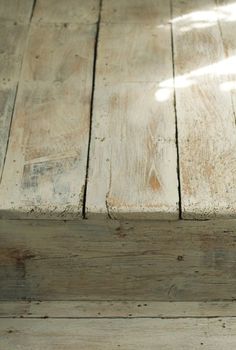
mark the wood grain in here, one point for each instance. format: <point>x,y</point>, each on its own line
<point>13,38</point>
<point>135,11</point>
<point>115,309</point>
<point>206,121</point>
<point>16,10</point>
<point>133,167</point>
<point>72,11</point>
<point>86,260</point>
<point>45,168</point>
<point>226,12</point>
<point>212,334</point>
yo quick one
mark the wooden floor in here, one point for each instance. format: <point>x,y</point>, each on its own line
<point>117,325</point>
<point>117,174</point>
<point>123,110</point>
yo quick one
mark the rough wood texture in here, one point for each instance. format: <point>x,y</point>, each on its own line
<point>12,43</point>
<point>136,11</point>
<point>72,11</point>
<point>188,261</point>
<point>226,11</point>
<point>45,167</point>
<point>129,334</point>
<point>206,120</point>
<point>133,167</point>
<point>16,10</point>
<point>12,38</point>
<point>117,309</point>
<point>152,137</point>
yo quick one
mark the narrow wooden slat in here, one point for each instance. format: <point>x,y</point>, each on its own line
<point>115,309</point>
<point>72,11</point>
<point>86,260</point>
<point>206,121</point>
<point>132,169</point>
<point>185,334</point>
<point>45,168</point>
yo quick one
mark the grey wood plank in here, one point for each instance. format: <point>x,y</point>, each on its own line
<point>180,261</point>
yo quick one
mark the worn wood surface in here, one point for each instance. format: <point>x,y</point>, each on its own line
<point>156,112</point>
<point>70,11</point>
<point>132,169</point>
<point>14,16</point>
<point>136,11</point>
<point>115,309</point>
<point>179,334</point>
<point>226,11</point>
<point>12,38</point>
<point>16,10</point>
<point>206,118</point>
<point>181,261</point>
<point>44,173</point>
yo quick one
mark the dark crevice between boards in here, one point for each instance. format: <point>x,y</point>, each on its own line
<point>221,318</point>
<point>175,109</point>
<point>33,8</point>
<point>91,109</point>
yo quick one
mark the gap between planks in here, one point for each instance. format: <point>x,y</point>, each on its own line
<point>175,109</point>
<point>91,108</point>
<point>115,309</point>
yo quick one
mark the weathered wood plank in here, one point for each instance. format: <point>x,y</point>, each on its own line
<point>7,97</point>
<point>226,12</point>
<point>16,10</point>
<point>117,309</point>
<point>12,38</point>
<point>45,167</point>
<point>206,121</point>
<point>72,11</point>
<point>184,334</point>
<point>86,260</point>
<point>132,170</point>
<point>135,11</point>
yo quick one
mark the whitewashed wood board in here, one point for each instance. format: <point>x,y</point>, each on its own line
<point>45,167</point>
<point>133,157</point>
<point>206,121</point>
